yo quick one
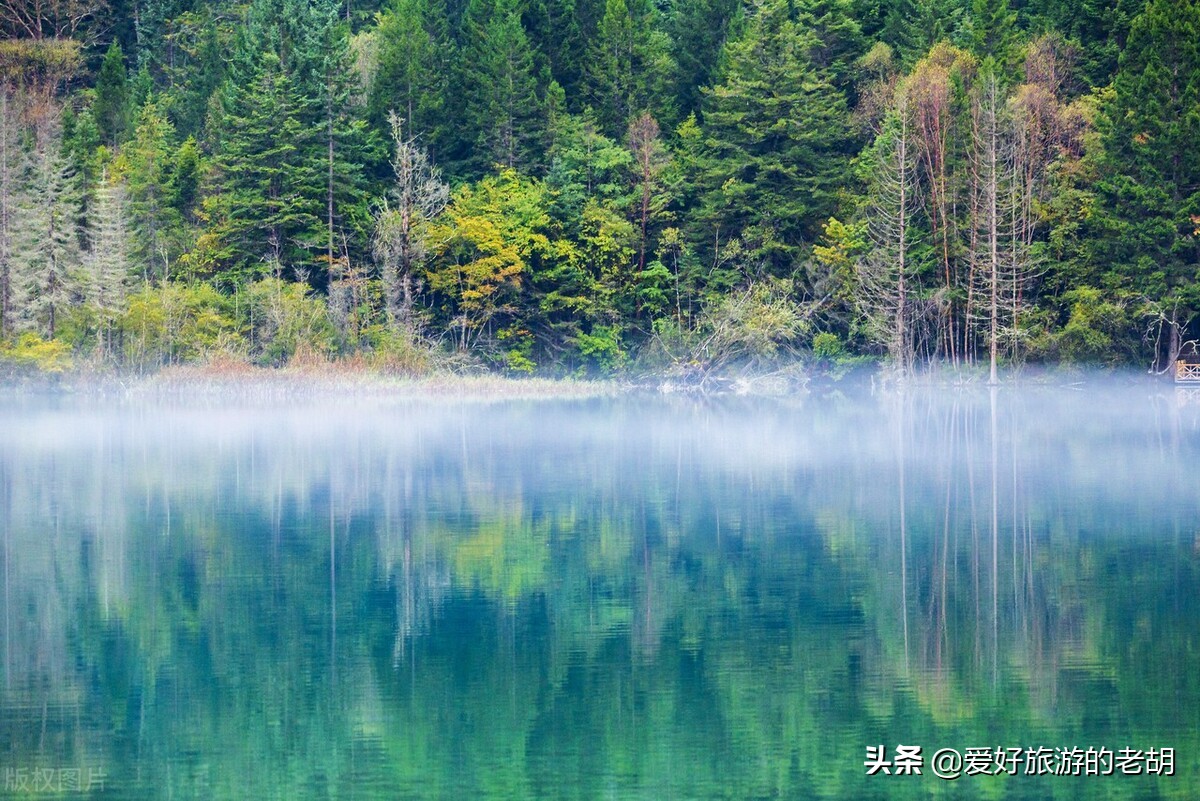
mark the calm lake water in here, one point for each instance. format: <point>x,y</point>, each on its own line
<point>645,598</point>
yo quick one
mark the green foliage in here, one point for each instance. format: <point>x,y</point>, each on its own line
<point>1096,330</point>
<point>245,143</point>
<point>501,93</point>
<point>290,149</point>
<point>601,349</point>
<point>32,353</point>
<point>516,344</point>
<point>776,144</point>
<point>827,345</point>
<point>111,110</point>
<point>489,234</point>
<point>1149,184</point>
<point>158,191</point>
<point>409,76</point>
<point>175,322</point>
<point>286,318</point>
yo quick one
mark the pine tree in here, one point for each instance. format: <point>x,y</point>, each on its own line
<point>1150,185</point>
<point>200,50</point>
<point>107,262</point>
<point>46,248</point>
<point>145,165</point>
<point>288,170</point>
<point>910,27</point>
<point>992,28</point>
<point>838,39</point>
<point>11,155</point>
<point>409,78</point>
<point>777,142</point>
<point>502,106</point>
<point>628,63</point>
<point>111,110</point>
<point>697,29</point>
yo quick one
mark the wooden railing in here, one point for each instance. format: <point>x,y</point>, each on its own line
<point>1187,373</point>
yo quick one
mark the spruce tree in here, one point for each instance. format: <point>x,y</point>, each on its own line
<point>107,262</point>
<point>11,159</point>
<point>288,166</point>
<point>46,247</point>
<point>111,110</point>
<point>628,66</point>
<point>409,78</point>
<point>697,29</point>
<point>502,104</point>
<point>1149,188</point>
<point>776,145</point>
<point>992,31</point>
<point>146,164</point>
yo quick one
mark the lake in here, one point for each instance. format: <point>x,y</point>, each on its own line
<point>629,598</point>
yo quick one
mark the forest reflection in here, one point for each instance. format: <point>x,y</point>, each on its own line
<point>631,598</point>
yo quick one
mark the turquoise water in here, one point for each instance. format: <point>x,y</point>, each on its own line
<point>643,598</point>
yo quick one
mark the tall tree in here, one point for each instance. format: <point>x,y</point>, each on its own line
<point>47,246</point>
<point>416,198</point>
<point>111,110</point>
<point>650,159</point>
<point>409,77</point>
<point>777,143</point>
<point>1150,186</point>
<point>145,164</point>
<point>627,64</point>
<point>11,155</point>
<point>107,262</point>
<point>992,28</point>
<point>287,170</point>
<point>697,29</point>
<point>885,288</point>
<point>504,104</point>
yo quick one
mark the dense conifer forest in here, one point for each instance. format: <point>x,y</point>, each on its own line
<point>586,187</point>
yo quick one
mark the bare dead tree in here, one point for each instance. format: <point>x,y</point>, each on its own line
<point>1002,225</point>
<point>9,153</point>
<point>650,158</point>
<point>48,19</point>
<point>400,242</point>
<point>884,287</point>
<point>108,261</point>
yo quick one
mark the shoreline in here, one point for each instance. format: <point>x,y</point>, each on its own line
<point>238,380</point>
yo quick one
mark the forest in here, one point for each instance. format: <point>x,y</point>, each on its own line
<point>599,187</point>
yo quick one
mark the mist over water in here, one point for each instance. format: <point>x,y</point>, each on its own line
<point>640,597</point>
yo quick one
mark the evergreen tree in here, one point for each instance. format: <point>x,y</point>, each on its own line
<point>502,105</point>
<point>777,142</point>
<point>46,250</point>
<point>697,29</point>
<point>992,32</point>
<point>561,41</point>
<point>627,65</point>
<point>145,165</point>
<point>287,171</point>
<point>409,77</point>
<point>1100,28</point>
<point>111,110</point>
<point>1150,176</point>
<point>107,262</point>
<point>910,27</point>
<point>838,40</point>
<point>196,72</point>
<point>11,158</point>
